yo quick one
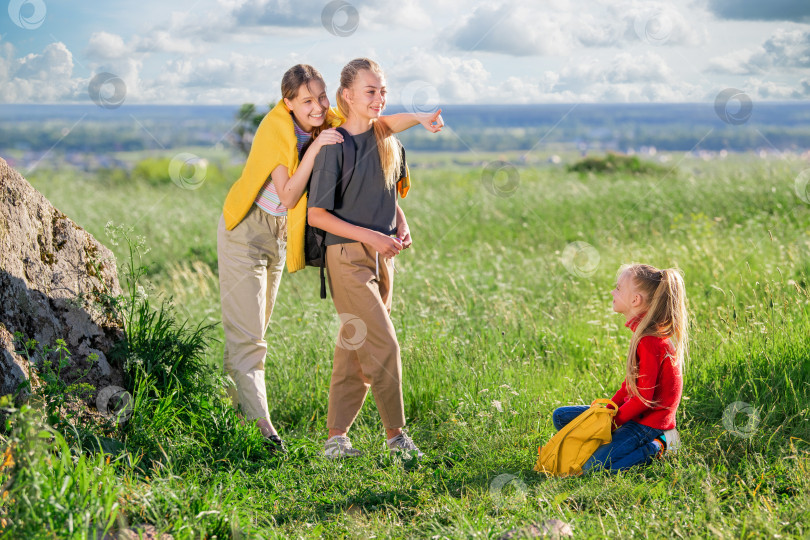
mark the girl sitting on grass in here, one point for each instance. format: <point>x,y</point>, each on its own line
<point>654,303</point>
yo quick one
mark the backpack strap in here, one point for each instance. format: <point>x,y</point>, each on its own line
<point>346,174</point>
<point>323,283</point>
<point>606,403</point>
<point>349,157</point>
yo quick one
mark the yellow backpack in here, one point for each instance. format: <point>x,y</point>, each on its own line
<point>570,448</point>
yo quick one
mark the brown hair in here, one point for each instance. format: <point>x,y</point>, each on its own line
<point>666,316</point>
<point>387,144</point>
<point>301,74</point>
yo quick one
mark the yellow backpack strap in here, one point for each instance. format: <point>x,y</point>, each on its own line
<point>606,402</point>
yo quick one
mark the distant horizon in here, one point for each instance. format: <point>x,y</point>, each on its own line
<point>731,125</point>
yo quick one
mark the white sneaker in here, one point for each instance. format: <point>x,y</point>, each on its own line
<point>672,440</point>
<point>340,446</point>
<point>403,443</point>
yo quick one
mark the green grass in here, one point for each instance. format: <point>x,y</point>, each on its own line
<point>489,306</point>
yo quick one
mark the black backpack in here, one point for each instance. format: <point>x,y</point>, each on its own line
<point>315,238</point>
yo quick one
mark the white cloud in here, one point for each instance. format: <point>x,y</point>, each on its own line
<point>231,51</point>
<point>166,41</point>
<point>658,23</point>
<point>734,63</point>
<point>420,81</point>
<point>788,48</point>
<point>454,78</point>
<point>55,63</point>
<point>106,46</point>
<point>232,79</point>
<point>623,68</point>
<point>45,77</point>
<point>129,69</point>
<point>518,29</point>
<point>514,29</point>
<point>380,15</point>
<point>784,50</point>
<point>279,13</point>
<point>314,13</point>
<point>421,77</point>
<point>628,78</point>
<point>771,90</point>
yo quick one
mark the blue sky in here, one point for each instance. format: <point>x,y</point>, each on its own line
<point>433,51</point>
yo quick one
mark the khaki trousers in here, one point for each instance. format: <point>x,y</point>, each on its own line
<point>367,353</point>
<point>251,259</point>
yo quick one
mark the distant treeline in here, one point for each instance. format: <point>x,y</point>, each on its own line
<point>662,137</point>
<point>94,136</point>
<point>676,127</point>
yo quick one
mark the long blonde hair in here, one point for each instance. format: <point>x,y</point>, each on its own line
<point>666,316</point>
<point>387,144</point>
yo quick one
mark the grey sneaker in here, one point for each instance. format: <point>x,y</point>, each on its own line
<point>672,440</point>
<point>403,443</point>
<point>340,446</point>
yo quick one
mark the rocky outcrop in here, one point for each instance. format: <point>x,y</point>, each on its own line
<point>55,283</point>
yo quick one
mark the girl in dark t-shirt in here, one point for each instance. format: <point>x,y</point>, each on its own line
<point>366,229</point>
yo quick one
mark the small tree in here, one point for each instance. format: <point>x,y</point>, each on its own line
<point>248,120</point>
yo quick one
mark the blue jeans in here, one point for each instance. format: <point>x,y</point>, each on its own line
<point>631,444</point>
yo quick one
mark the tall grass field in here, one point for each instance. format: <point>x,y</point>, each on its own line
<point>503,312</point>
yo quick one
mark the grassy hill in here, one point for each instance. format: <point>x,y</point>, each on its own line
<point>503,312</point>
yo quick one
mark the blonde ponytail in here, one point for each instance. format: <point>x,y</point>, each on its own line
<point>387,145</point>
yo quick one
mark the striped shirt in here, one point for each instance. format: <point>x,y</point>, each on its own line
<point>268,199</point>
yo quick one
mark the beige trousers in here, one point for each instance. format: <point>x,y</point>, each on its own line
<point>251,259</point>
<point>367,353</point>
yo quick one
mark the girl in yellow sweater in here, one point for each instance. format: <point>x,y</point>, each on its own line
<point>253,230</point>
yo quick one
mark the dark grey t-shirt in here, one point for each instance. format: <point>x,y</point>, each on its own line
<point>366,203</point>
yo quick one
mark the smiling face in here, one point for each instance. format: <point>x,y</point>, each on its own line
<point>367,95</point>
<point>310,105</point>
<point>627,299</point>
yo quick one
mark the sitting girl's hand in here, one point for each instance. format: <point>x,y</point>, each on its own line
<point>385,245</point>
<point>327,136</point>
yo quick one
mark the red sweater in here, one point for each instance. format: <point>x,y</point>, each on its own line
<point>659,381</point>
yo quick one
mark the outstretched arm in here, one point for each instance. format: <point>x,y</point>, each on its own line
<point>401,121</point>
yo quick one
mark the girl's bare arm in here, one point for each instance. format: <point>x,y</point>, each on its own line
<point>401,121</point>
<point>290,188</point>
<point>403,231</point>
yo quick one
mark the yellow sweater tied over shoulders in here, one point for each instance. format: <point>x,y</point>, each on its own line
<point>275,144</point>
